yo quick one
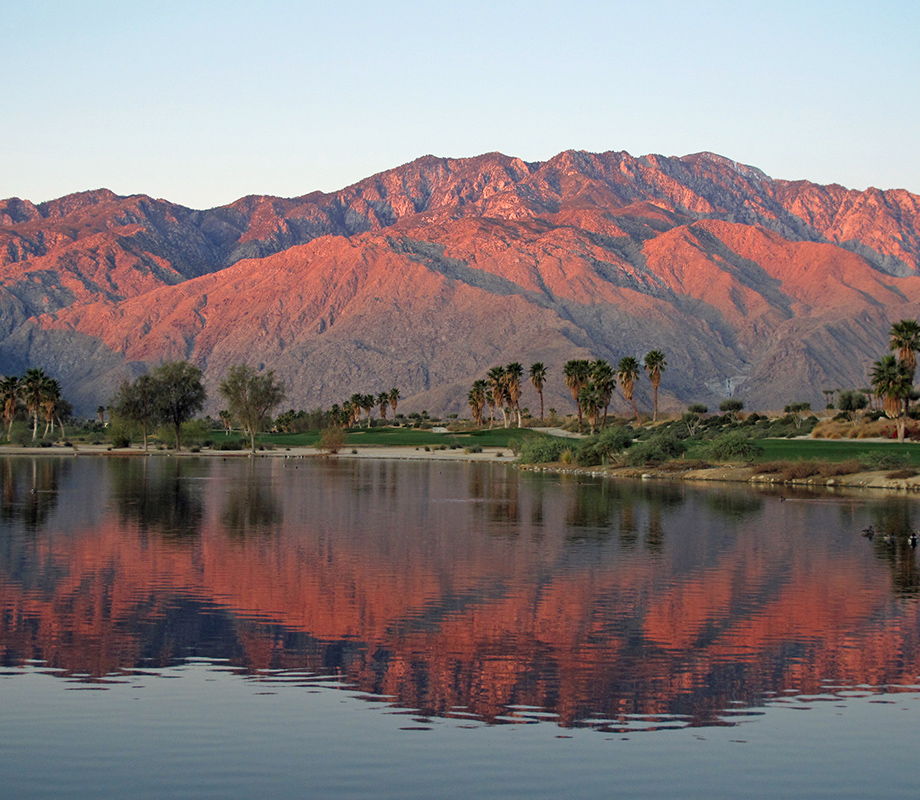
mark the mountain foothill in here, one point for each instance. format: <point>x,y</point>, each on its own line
<point>427,275</point>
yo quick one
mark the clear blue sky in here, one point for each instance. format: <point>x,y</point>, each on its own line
<point>202,102</point>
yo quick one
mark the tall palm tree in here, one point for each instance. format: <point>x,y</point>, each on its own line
<point>905,338</point>
<point>10,398</point>
<point>604,382</point>
<point>356,402</point>
<point>51,397</point>
<point>33,389</point>
<point>891,382</point>
<point>496,380</point>
<point>368,403</point>
<point>383,400</point>
<point>514,373</point>
<point>394,400</point>
<point>576,374</point>
<point>589,397</point>
<point>628,373</point>
<point>655,363</point>
<point>476,399</point>
<point>538,379</point>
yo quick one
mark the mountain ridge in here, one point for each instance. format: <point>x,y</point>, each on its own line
<point>425,275</point>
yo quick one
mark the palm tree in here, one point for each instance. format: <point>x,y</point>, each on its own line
<point>655,364</point>
<point>538,379</point>
<point>576,374</point>
<point>591,402</point>
<point>628,373</point>
<point>496,381</point>
<point>891,382</point>
<point>368,402</point>
<point>33,389</point>
<point>394,400</point>
<point>476,399</point>
<point>905,338</point>
<point>51,397</point>
<point>514,372</point>
<point>604,382</point>
<point>383,400</point>
<point>10,398</point>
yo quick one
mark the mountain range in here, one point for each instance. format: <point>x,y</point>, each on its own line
<point>425,276</point>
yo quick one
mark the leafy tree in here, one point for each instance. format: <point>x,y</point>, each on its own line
<point>181,394</point>
<point>628,374</point>
<point>849,402</point>
<point>538,380</point>
<point>697,408</point>
<point>251,397</point>
<point>891,382</point>
<point>732,406</point>
<point>655,363</point>
<point>797,412</point>
<point>139,402</point>
<point>692,420</point>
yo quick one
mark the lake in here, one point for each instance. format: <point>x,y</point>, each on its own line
<point>201,627</point>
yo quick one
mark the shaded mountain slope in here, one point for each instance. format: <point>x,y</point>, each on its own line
<point>426,275</point>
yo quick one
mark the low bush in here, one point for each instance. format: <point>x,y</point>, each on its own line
<point>231,444</point>
<point>733,446</point>
<point>541,449</point>
<point>884,459</point>
<point>661,447</point>
<point>609,445</point>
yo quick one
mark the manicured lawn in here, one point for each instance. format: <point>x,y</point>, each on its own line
<point>831,449</point>
<point>402,437</point>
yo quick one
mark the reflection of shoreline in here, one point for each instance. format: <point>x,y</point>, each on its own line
<point>854,484</point>
<point>585,598</point>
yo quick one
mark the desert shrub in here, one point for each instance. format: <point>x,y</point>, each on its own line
<point>120,439</point>
<point>541,449</point>
<point>567,456</point>
<point>607,446</point>
<point>661,447</point>
<point>733,446</point>
<point>477,449</point>
<point>232,444</point>
<point>331,440</point>
<point>828,469</point>
<point>799,470</point>
<point>884,459</point>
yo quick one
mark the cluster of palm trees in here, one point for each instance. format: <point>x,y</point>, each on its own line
<point>501,389</point>
<point>349,413</point>
<point>892,377</point>
<point>591,383</point>
<point>36,394</point>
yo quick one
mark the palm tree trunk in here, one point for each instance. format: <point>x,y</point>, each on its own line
<point>655,415</point>
<point>541,406</point>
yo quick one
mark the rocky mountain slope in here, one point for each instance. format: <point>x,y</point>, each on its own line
<point>424,276</point>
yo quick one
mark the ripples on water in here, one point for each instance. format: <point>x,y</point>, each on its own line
<point>469,594</point>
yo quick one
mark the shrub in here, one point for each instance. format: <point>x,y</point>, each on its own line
<point>331,440</point>
<point>541,449</point>
<point>697,408</point>
<point>607,446</point>
<point>882,459</point>
<point>661,447</point>
<point>733,446</point>
<point>477,449</point>
<point>120,439</point>
<point>567,456</point>
<point>232,444</point>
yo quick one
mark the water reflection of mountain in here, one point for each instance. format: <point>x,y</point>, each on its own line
<point>467,587</point>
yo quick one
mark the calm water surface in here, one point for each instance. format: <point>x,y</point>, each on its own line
<point>209,628</point>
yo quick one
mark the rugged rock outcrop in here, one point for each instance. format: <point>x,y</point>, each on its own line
<point>426,275</point>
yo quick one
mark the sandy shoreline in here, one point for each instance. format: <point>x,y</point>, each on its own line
<point>876,480</point>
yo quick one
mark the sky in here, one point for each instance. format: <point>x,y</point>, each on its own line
<point>204,102</point>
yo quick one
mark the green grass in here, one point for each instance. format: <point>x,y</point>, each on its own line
<point>822,449</point>
<point>400,437</point>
